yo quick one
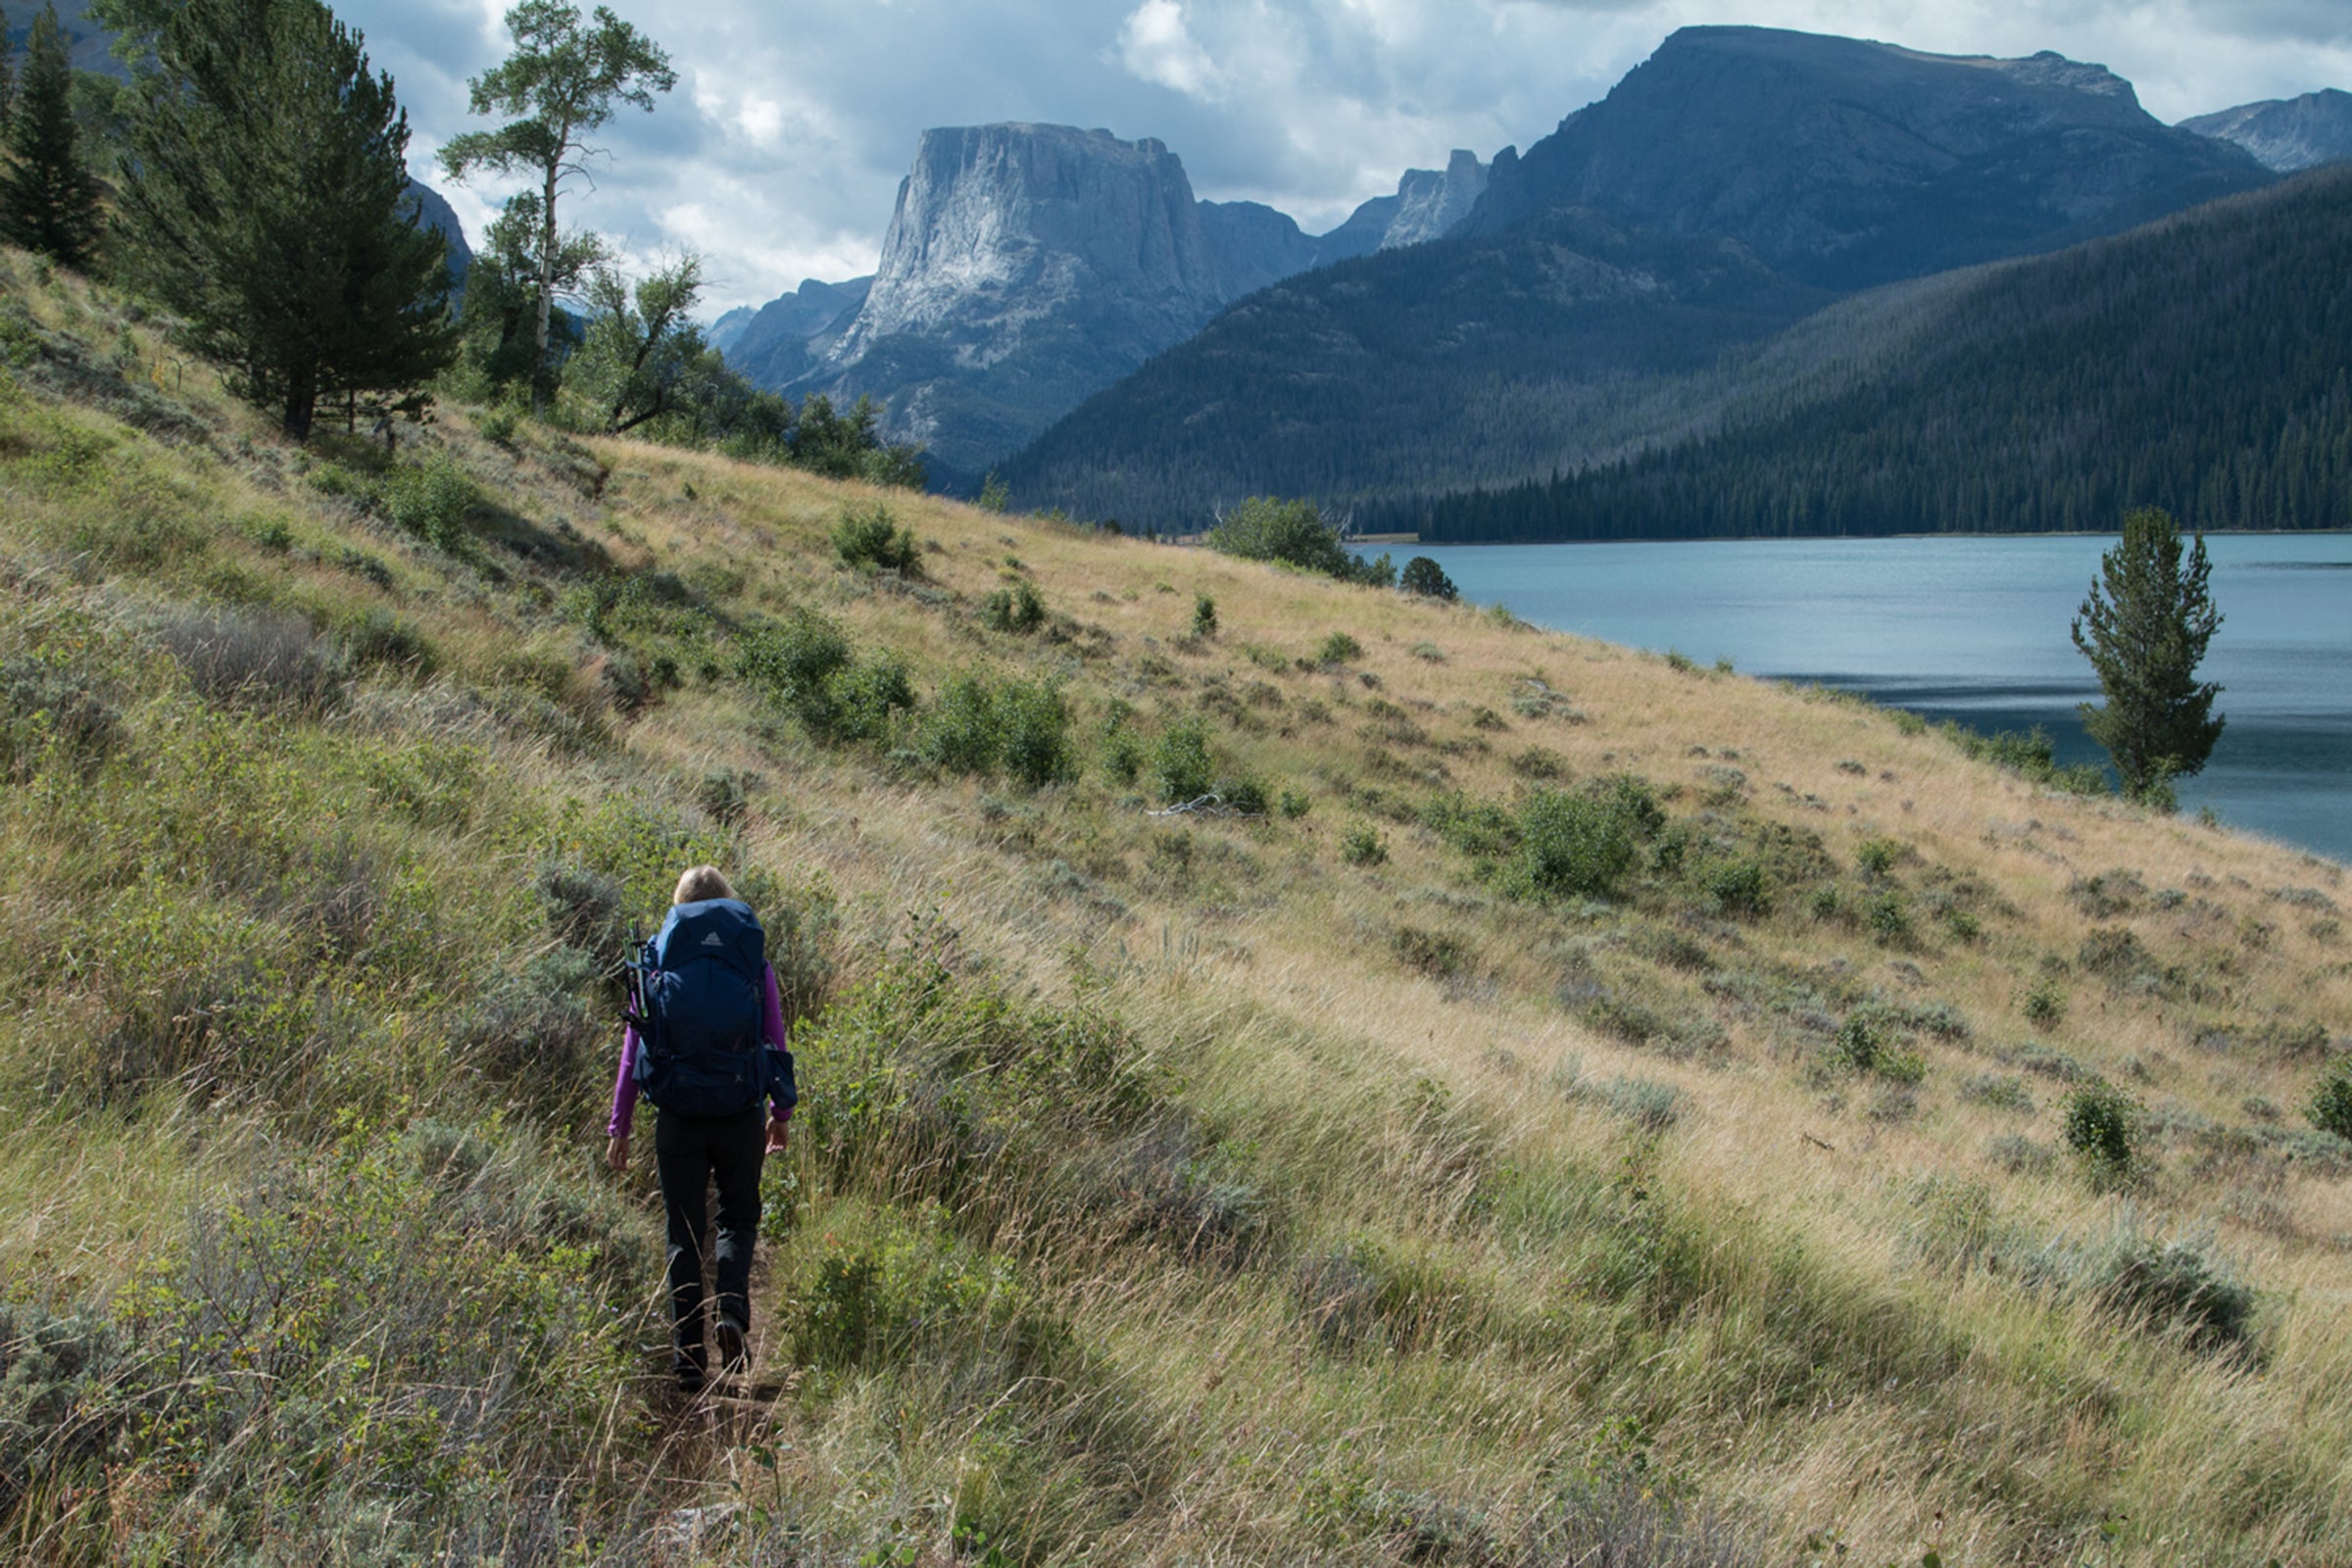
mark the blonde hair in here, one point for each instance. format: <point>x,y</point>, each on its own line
<point>701,883</point>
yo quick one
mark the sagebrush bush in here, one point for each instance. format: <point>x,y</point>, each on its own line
<point>253,659</point>
<point>53,713</point>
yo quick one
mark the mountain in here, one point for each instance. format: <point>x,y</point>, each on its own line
<point>2189,365</point>
<point>1029,266</point>
<point>1025,265</point>
<point>2286,134</point>
<point>1428,204</point>
<point>1849,164</point>
<point>781,339</point>
<point>1557,328</point>
<point>434,210</point>
<point>90,44</point>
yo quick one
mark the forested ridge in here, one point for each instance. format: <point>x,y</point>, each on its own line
<point>2198,363</point>
<point>2203,364</point>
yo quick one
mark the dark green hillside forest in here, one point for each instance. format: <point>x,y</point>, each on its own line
<point>2203,364</point>
<point>1364,379</point>
<point>2199,363</point>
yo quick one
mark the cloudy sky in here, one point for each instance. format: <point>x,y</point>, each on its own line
<point>780,151</point>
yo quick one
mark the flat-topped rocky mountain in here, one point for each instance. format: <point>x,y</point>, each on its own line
<point>1027,267</point>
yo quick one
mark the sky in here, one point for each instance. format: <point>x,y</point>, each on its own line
<point>779,154</point>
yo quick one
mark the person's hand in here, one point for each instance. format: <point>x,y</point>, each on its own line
<point>779,1134</point>
<point>617,1153</point>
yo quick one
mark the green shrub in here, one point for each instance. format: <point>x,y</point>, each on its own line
<point>1738,887</point>
<point>1539,764</point>
<point>379,639</point>
<point>1294,803</point>
<point>431,499</point>
<point>872,538</point>
<point>1437,953</point>
<point>2102,1126</point>
<point>1572,844</point>
<point>2331,1105</point>
<point>1204,615</point>
<point>1293,532</point>
<point>1016,610</point>
<point>1035,734</point>
<point>1243,794</point>
<point>858,700</point>
<point>1180,764</point>
<point>51,714</point>
<point>1363,847</point>
<point>2046,1005</point>
<point>1337,649</point>
<point>1878,856</point>
<point>1888,918</point>
<point>963,732</point>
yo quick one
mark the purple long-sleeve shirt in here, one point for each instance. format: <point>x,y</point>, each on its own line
<point>624,1087</point>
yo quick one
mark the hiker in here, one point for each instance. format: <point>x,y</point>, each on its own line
<point>706,1043</point>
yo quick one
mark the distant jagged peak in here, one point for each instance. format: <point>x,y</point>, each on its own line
<point>2286,134</point>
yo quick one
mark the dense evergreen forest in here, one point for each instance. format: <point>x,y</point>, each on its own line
<point>1372,377</point>
<point>2203,364</point>
<point>2198,363</point>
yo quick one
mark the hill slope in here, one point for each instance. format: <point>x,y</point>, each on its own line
<point>1332,1185</point>
<point>2189,365</point>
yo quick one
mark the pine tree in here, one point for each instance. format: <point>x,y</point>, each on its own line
<point>2144,628</point>
<point>8,72</point>
<point>49,199</point>
<point>267,203</point>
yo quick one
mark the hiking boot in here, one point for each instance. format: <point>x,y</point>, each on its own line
<point>730,1338</point>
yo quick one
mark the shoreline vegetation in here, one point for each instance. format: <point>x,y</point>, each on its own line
<point>1557,1099</point>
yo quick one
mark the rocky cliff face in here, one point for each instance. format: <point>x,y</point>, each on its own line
<point>435,213</point>
<point>2286,134</point>
<point>1429,204</point>
<point>785,338</point>
<point>1847,163</point>
<point>1027,267</point>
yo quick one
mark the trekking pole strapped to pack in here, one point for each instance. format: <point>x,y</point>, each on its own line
<point>697,996</point>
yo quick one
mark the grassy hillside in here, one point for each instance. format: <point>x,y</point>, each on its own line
<point>1600,1104</point>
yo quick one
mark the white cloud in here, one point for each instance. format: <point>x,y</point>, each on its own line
<point>794,120</point>
<point>1157,45</point>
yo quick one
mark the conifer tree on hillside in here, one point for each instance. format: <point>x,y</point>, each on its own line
<point>2145,627</point>
<point>8,71</point>
<point>265,202</point>
<point>49,199</point>
<point>561,83</point>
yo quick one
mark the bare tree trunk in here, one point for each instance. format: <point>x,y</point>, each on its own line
<point>547,281</point>
<point>302,400</point>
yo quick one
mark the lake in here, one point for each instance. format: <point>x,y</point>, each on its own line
<point>1975,629</point>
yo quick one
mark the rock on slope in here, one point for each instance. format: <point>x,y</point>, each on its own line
<point>1848,163</point>
<point>2285,133</point>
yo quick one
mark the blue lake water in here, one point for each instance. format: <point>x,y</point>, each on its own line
<point>1975,629</point>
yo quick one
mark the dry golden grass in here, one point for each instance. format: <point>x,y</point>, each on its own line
<point>1818,1371</point>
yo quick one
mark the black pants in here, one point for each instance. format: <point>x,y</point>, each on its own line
<point>689,1152</point>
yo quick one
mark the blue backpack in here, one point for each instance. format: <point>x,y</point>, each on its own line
<point>699,995</point>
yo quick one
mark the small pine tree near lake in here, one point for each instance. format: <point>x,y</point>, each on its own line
<point>1425,578</point>
<point>2144,628</point>
<point>48,196</point>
